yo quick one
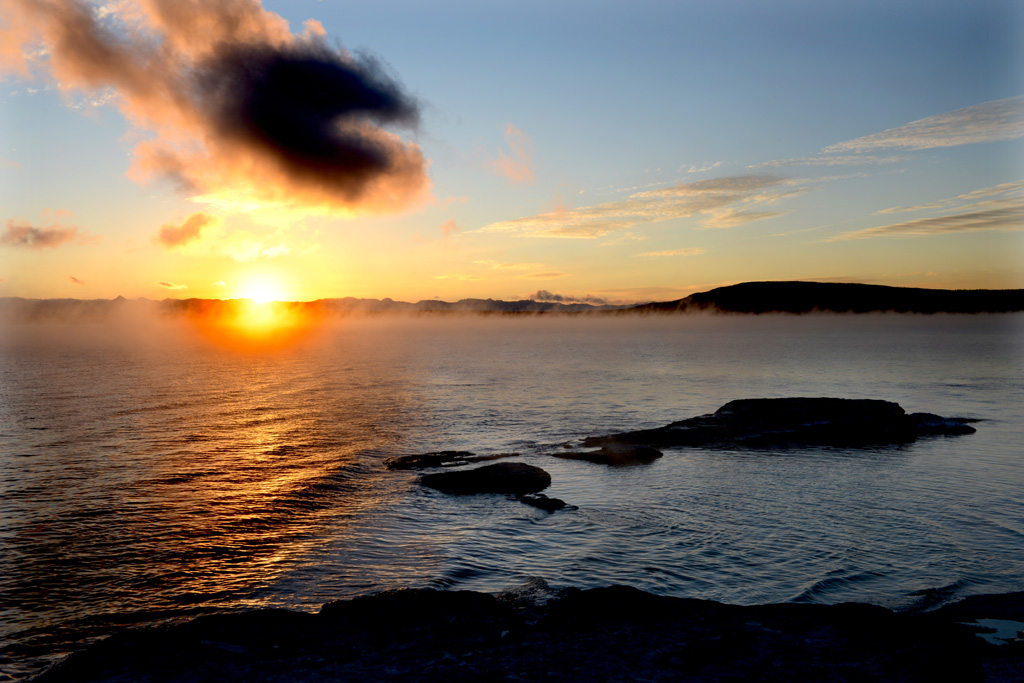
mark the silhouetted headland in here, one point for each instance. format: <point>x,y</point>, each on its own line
<point>536,634</point>
<point>834,297</point>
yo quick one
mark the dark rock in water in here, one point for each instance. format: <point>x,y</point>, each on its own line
<point>615,454</point>
<point>539,500</point>
<point>794,423</point>
<point>614,633</point>
<point>502,477</point>
<point>440,459</point>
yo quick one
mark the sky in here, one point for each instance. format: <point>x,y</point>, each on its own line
<point>559,150</point>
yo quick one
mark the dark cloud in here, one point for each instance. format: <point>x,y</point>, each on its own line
<point>309,109</point>
<point>29,237</point>
<point>244,112</point>
<point>545,295</point>
<point>75,281</point>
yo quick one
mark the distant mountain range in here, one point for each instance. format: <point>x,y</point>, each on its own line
<point>747,297</point>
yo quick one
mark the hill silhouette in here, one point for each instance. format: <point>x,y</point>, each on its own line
<point>808,297</point>
<point>747,297</point>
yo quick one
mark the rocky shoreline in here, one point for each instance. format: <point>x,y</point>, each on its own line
<point>745,424</point>
<point>615,633</point>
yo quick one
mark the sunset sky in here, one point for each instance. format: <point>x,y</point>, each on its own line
<point>561,150</point>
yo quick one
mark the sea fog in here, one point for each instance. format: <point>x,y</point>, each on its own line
<point>153,469</point>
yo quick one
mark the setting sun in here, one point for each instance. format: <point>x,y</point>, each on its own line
<point>263,290</point>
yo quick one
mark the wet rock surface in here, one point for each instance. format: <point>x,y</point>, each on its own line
<point>422,461</point>
<point>611,634</point>
<point>615,454</point>
<point>793,423</point>
<point>502,477</point>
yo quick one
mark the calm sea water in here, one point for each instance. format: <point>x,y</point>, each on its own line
<point>146,475</point>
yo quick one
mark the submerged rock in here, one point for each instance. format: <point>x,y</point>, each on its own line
<point>502,477</point>
<point>793,423</point>
<point>615,454</point>
<point>539,500</point>
<point>423,461</point>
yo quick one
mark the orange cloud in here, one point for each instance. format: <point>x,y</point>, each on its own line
<point>29,237</point>
<point>449,228</point>
<point>172,235</point>
<point>517,166</point>
<point>234,107</point>
<point>75,281</point>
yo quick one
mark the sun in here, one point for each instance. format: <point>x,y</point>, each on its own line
<point>263,290</point>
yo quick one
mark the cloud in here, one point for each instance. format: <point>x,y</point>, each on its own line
<point>517,166</point>
<point>231,105</point>
<point>244,246</point>
<point>75,281</point>
<point>171,285</point>
<point>551,275</point>
<point>545,295</point>
<point>701,168</point>
<point>693,251</point>
<point>495,265</point>
<point>729,217</point>
<point>29,237</point>
<point>1004,188</point>
<point>840,160</point>
<point>457,277</point>
<point>172,235</point>
<point>651,206</point>
<point>449,228</point>
<point>218,283</point>
<point>1002,215</point>
<point>536,270</point>
<point>985,122</point>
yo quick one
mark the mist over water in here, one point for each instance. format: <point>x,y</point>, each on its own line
<point>147,474</point>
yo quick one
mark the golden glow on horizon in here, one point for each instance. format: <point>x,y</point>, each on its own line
<point>262,290</point>
<point>251,325</point>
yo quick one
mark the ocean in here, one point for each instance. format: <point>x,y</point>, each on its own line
<point>147,475</point>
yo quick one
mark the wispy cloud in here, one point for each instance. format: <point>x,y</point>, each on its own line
<point>550,275</point>
<point>838,160</point>
<point>730,217</point>
<point>1001,214</point>
<point>172,235</point>
<point>692,251</point>
<point>75,281</point>
<point>24,235</point>
<point>524,271</point>
<point>232,106</point>
<point>985,122</point>
<point>623,238</point>
<point>652,206</point>
<point>517,165</point>
<point>995,190</point>
<point>218,283</point>
<point>702,168</point>
<point>497,265</point>
<point>458,276</point>
<point>171,285</point>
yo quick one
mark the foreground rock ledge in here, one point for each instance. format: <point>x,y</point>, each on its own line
<point>603,634</point>
<point>794,423</point>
